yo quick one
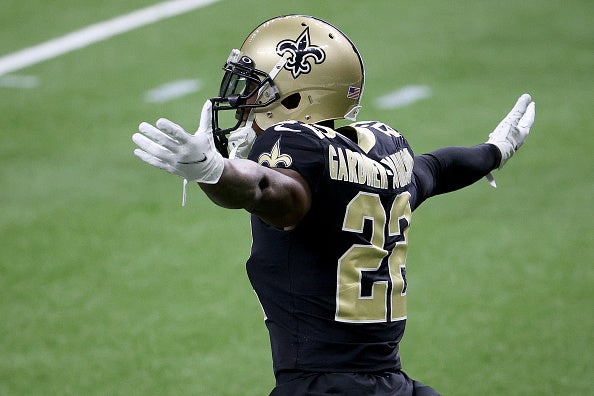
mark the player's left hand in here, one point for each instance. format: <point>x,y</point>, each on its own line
<point>511,132</point>
<point>169,147</point>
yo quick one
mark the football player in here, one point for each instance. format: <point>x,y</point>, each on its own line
<point>331,206</point>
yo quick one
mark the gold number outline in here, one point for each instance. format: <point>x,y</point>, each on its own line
<point>351,306</point>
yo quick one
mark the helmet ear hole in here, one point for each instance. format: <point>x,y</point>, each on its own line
<point>292,101</point>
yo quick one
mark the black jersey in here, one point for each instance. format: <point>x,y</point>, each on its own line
<point>333,289</point>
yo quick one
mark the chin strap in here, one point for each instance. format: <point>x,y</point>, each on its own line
<point>241,141</point>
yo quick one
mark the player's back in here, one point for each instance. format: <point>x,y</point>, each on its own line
<point>333,289</point>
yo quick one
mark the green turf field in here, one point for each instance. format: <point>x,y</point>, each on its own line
<point>109,287</point>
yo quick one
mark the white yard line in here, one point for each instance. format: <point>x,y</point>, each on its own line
<point>20,82</point>
<point>403,97</point>
<point>172,90</point>
<point>97,32</point>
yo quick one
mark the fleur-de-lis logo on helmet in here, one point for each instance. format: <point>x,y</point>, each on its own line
<point>300,52</point>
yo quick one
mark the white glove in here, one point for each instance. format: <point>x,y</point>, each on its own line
<point>241,141</point>
<point>169,147</point>
<point>514,128</point>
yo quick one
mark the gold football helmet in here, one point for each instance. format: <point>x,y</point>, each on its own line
<point>292,67</point>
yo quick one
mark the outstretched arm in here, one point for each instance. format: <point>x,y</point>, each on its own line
<point>279,197</point>
<point>452,168</point>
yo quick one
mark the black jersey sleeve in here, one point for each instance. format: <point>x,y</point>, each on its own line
<point>451,168</point>
<point>291,145</point>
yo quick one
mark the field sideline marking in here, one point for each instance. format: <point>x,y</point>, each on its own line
<point>97,32</point>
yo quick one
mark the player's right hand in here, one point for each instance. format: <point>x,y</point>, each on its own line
<point>514,128</point>
<point>169,147</point>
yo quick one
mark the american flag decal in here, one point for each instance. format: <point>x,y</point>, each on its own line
<point>354,93</point>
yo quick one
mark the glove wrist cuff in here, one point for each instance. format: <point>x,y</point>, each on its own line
<point>211,172</point>
<point>505,148</point>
